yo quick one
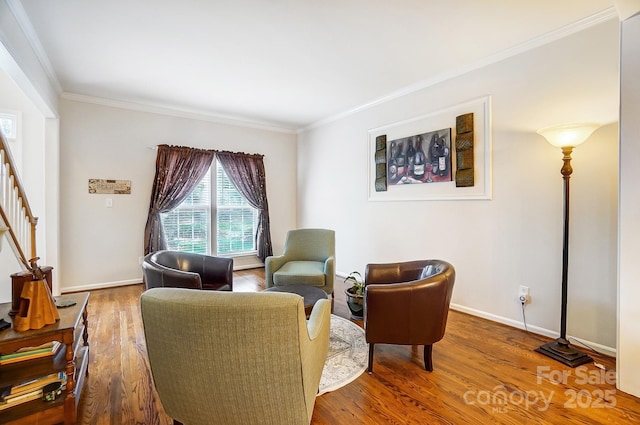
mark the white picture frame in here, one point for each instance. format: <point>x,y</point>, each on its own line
<point>443,118</point>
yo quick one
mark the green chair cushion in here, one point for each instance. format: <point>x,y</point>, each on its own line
<point>300,273</point>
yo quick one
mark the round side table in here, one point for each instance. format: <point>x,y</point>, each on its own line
<point>310,294</point>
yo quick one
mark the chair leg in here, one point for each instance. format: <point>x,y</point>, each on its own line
<point>428,362</point>
<point>370,369</point>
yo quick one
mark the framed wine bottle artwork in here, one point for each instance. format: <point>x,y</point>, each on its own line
<point>421,153</point>
<point>420,159</point>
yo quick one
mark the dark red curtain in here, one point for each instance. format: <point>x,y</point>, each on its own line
<point>178,171</point>
<point>247,174</point>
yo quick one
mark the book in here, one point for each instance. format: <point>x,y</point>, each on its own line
<point>32,384</point>
<point>31,390</point>
<point>25,353</point>
<point>29,353</point>
<point>26,350</point>
<point>34,395</point>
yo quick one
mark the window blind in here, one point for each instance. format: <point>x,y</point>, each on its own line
<point>187,227</point>
<point>236,219</point>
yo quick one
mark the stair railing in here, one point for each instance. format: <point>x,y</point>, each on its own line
<point>16,215</point>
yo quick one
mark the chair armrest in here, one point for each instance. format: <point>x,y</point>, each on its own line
<point>330,273</point>
<point>388,313</point>
<point>406,271</point>
<point>271,265</point>
<point>407,313</point>
<point>387,300</point>
<point>217,270</point>
<point>157,275</point>
<point>318,317</point>
<point>314,344</point>
<point>382,273</point>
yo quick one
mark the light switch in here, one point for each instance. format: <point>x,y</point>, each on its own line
<point>109,202</point>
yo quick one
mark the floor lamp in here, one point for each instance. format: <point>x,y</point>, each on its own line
<point>566,137</point>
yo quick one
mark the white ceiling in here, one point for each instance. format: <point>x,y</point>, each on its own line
<point>287,63</point>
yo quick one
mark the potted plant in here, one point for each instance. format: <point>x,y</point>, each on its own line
<point>355,295</point>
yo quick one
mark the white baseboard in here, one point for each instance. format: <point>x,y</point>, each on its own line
<point>102,285</point>
<point>609,351</point>
<point>248,266</point>
<point>504,320</point>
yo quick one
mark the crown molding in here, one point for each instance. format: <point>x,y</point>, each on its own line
<point>25,24</point>
<point>30,33</point>
<point>627,8</point>
<point>562,32</point>
<point>179,112</point>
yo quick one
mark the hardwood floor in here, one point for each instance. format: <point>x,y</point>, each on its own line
<point>484,372</point>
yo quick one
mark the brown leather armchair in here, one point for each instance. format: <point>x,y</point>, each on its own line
<point>187,270</point>
<point>407,303</point>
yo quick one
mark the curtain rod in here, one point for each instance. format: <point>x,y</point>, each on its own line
<point>155,148</point>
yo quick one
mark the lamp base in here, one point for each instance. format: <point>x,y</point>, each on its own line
<point>565,353</point>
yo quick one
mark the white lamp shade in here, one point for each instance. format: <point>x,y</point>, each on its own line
<point>568,134</point>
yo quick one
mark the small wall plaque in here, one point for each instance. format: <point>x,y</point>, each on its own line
<point>118,187</point>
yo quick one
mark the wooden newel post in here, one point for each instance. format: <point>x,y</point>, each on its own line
<point>35,307</point>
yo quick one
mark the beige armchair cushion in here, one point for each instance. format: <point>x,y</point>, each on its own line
<point>235,358</point>
<point>300,272</point>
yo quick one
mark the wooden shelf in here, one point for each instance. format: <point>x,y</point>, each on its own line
<point>72,357</point>
<point>26,413</point>
<point>32,369</point>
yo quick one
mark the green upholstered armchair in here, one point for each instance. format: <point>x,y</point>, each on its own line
<point>308,259</point>
<point>235,358</point>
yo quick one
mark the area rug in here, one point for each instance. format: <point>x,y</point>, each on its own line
<point>348,355</point>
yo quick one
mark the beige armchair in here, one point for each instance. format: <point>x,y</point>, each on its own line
<point>235,358</point>
<point>308,259</point>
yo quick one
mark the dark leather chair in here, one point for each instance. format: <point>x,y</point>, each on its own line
<point>187,270</point>
<point>407,303</point>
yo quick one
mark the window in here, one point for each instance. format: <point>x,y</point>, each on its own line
<point>236,219</point>
<point>218,210</point>
<point>8,125</point>
<point>187,226</point>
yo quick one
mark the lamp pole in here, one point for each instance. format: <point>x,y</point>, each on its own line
<point>566,137</point>
<point>566,175</point>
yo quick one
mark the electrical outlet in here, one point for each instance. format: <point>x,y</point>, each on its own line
<point>523,294</point>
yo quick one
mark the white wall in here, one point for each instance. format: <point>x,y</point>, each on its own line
<point>23,64</point>
<point>8,265</point>
<point>28,153</point>
<point>101,246</point>
<point>515,238</point>
<point>38,94</point>
<point>629,289</point>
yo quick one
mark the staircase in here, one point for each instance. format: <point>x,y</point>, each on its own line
<point>16,218</point>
